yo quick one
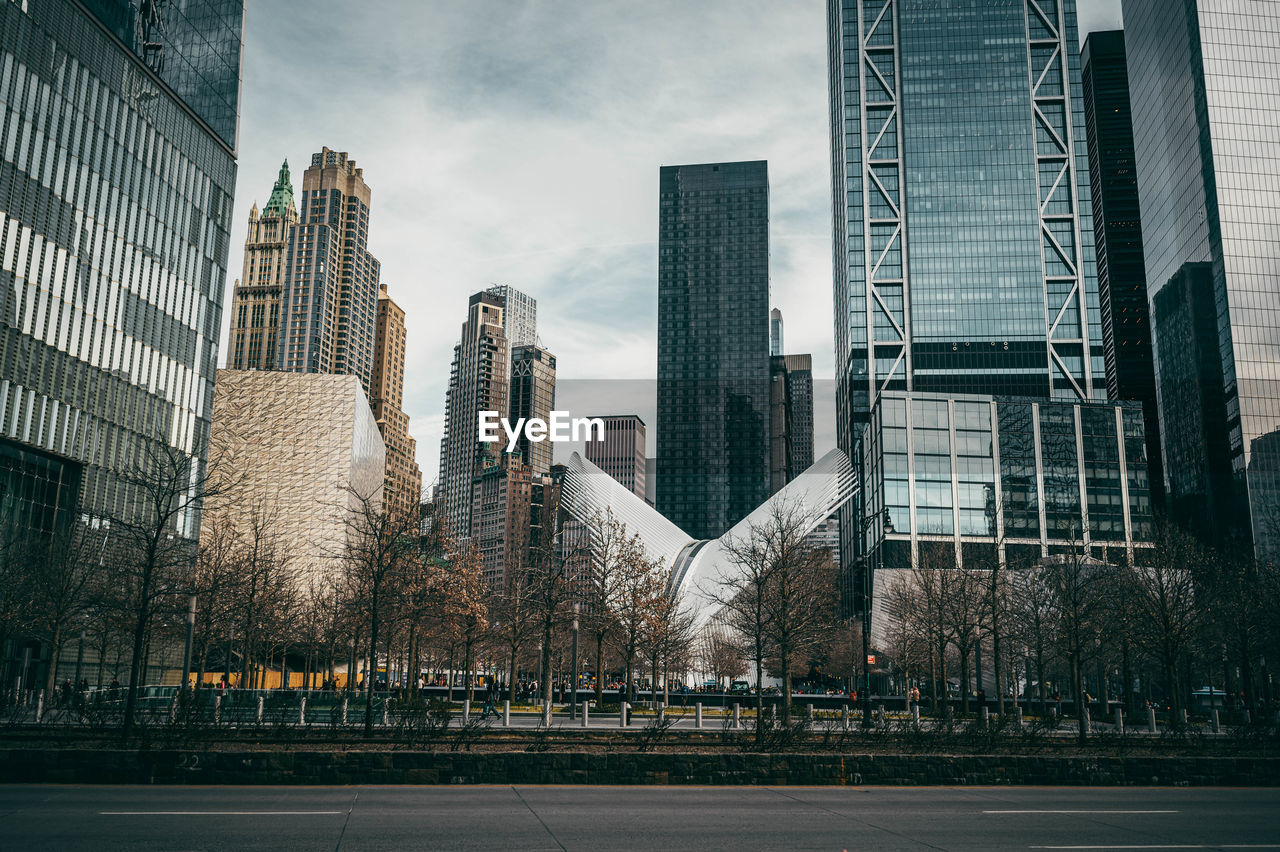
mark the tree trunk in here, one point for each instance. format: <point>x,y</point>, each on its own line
<point>370,674</point>
<point>964,678</point>
<point>599,668</point>
<point>55,651</point>
<point>139,639</point>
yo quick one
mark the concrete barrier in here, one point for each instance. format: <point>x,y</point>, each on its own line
<point>506,714</point>
<point>697,716</point>
<point>737,718</point>
<point>622,715</point>
<point>293,766</point>
<point>1151,720</point>
<point>586,714</point>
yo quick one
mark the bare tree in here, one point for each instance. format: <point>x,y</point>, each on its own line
<point>68,572</point>
<point>1162,600</point>
<point>1080,584</point>
<point>380,548</point>
<point>155,535</point>
<point>611,549</point>
<point>462,591</point>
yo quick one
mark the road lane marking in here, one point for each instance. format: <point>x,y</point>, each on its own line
<point>218,813</point>
<point>1081,812</point>
<point>1166,846</point>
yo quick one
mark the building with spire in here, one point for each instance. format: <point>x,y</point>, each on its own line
<point>403,477</point>
<point>255,306</point>
<point>330,294</point>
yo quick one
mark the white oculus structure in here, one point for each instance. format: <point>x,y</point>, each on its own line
<point>699,567</point>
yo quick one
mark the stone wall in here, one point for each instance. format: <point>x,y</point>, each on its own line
<point>417,767</point>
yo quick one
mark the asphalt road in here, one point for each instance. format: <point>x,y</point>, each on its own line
<point>69,818</point>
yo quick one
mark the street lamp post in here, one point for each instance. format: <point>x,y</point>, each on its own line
<point>573,668</point>
<point>868,585</point>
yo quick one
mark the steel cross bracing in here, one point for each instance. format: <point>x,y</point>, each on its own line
<point>1066,317</point>
<point>888,314</point>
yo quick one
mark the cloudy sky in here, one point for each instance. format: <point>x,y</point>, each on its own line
<point>519,143</point>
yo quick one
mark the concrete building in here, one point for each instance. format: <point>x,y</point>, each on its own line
<point>532,394</point>
<point>403,477</point>
<point>255,304</point>
<point>301,444</point>
<point>330,298</point>
<point>501,491</point>
<point>478,381</point>
<point>621,452</point>
<point>713,344</point>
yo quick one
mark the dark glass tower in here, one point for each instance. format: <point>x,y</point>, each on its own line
<point>1117,228</point>
<point>1205,107</point>
<point>713,344</point>
<point>117,168</point>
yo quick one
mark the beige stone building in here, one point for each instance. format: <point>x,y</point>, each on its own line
<point>298,444</point>
<point>403,477</point>
<point>255,305</point>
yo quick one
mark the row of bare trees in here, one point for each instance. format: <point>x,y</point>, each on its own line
<point>1181,614</point>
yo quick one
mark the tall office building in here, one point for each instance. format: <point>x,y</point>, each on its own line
<point>775,333</point>
<point>963,260</point>
<point>1205,105</point>
<point>255,304</point>
<point>478,381</point>
<point>501,493</point>
<point>330,299</point>
<point>621,452</point>
<point>790,418</point>
<point>532,394</point>
<point>403,493</point>
<point>519,315</point>
<point>713,344</point>
<point>117,169</point>
<point>1117,228</point>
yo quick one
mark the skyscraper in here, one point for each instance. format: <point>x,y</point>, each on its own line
<point>1205,107</point>
<point>621,452</point>
<point>116,180</point>
<point>255,305</point>
<point>532,394</point>
<point>790,418</point>
<point>478,381</point>
<point>775,333</point>
<point>403,491</point>
<point>713,344</point>
<point>519,315</point>
<point>1117,228</point>
<point>964,270</point>
<point>330,299</point>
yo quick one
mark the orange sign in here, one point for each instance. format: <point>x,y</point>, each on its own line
<point>871,659</point>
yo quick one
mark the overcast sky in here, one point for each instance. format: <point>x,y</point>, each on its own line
<point>519,143</point>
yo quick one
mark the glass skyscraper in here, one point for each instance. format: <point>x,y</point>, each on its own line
<point>117,169</point>
<point>1202,75</point>
<point>963,235</point>
<point>713,344</point>
<point>1117,228</point>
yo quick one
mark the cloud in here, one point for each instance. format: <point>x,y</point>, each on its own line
<point>519,142</point>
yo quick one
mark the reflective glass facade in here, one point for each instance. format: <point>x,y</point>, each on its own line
<point>115,207</point>
<point>1117,227</point>
<point>193,45</point>
<point>1021,478</point>
<point>963,253</point>
<point>963,231</point>
<point>713,344</point>
<point>1202,75</point>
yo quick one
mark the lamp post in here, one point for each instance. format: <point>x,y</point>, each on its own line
<point>573,668</point>
<point>868,586</point>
